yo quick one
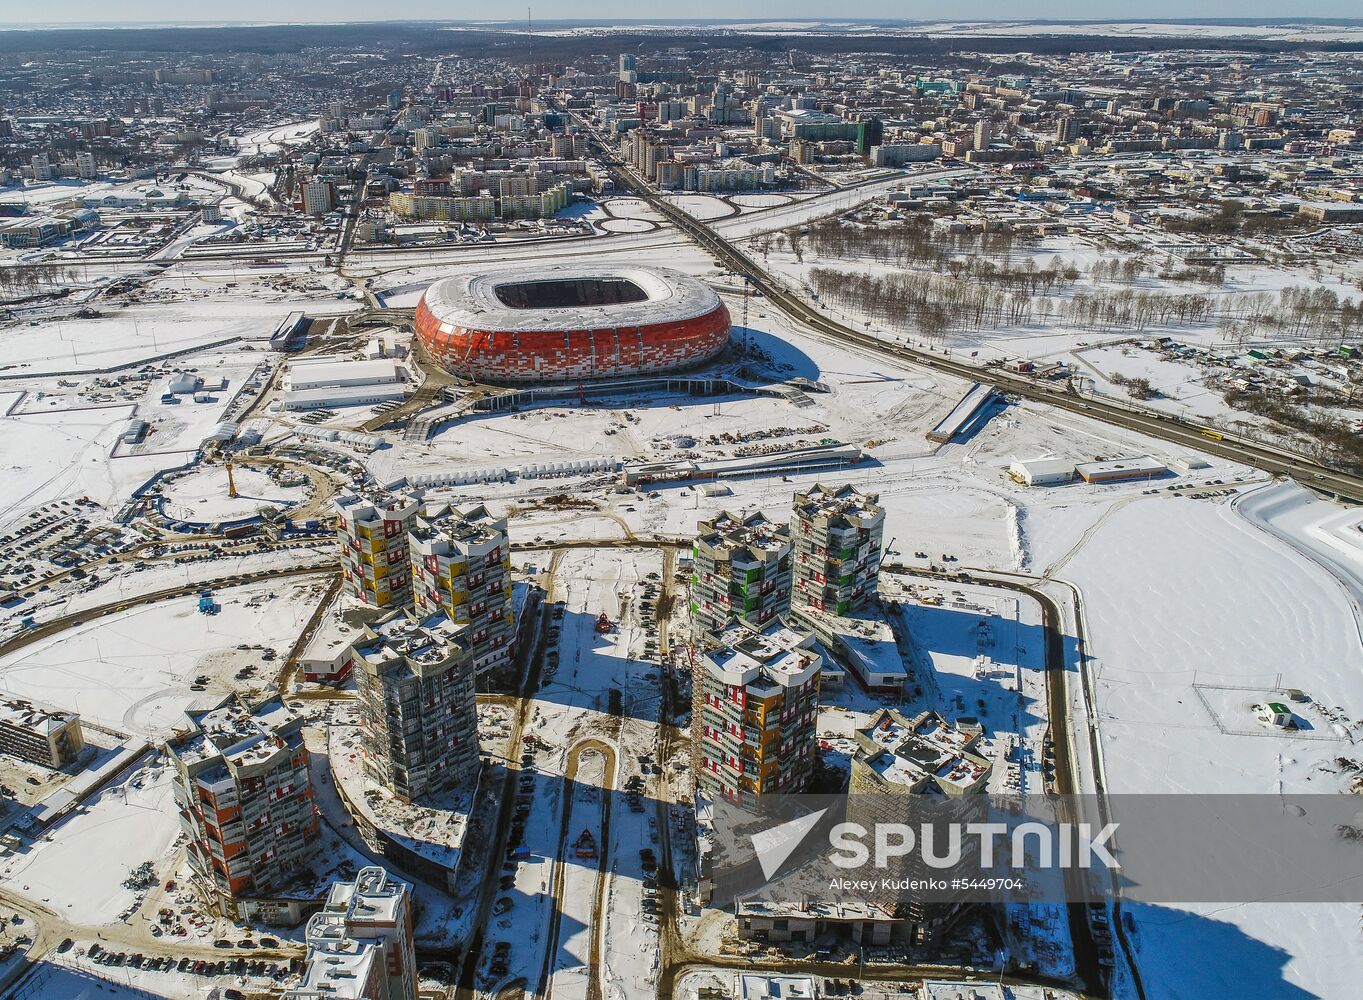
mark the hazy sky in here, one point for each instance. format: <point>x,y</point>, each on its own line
<point>56,11</point>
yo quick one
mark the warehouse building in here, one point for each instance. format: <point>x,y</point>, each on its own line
<point>310,385</point>
<point>1120,470</point>
<point>1041,471</point>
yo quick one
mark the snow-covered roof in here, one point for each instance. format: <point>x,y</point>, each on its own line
<point>471,301</point>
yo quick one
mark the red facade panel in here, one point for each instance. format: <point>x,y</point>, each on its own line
<point>544,356</point>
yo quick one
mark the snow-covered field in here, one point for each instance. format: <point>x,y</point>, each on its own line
<point>133,672</point>
<point>1179,594</point>
<point>78,869</point>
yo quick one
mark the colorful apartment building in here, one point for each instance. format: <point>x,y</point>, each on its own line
<point>461,565</point>
<point>836,534</point>
<point>740,569</point>
<point>419,720</point>
<point>371,529</point>
<point>245,801</point>
<point>755,699</point>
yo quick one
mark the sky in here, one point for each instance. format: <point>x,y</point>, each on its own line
<point>48,12</point>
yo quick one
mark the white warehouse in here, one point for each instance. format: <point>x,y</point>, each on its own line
<point>1041,471</point>
<point>310,385</point>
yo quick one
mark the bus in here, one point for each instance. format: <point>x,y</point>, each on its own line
<point>1214,435</point>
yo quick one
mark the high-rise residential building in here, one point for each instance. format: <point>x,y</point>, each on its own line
<point>870,132</point>
<point>740,569</point>
<point>42,167</point>
<point>361,943</point>
<point>419,720</point>
<point>1066,129</point>
<point>319,196</point>
<point>461,565</point>
<point>85,166</point>
<point>755,703</point>
<point>984,133</point>
<point>923,755</point>
<point>371,529</point>
<point>245,801</point>
<point>836,561</point>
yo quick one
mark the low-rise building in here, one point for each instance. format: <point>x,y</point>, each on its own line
<point>39,735</point>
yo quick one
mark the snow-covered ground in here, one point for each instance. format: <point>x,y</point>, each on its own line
<point>78,868</point>
<point>133,672</point>
<point>1183,595</point>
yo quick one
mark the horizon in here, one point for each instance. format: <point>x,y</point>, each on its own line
<point>161,14</point>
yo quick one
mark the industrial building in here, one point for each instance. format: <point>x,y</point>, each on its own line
<point>740,569</point>
<point>361,943</point>
<point>1041,471</point>
<point>1120,470</point>
<point>836,534</point>
<point>245,801</point>
<point>419,721</point>
<point>312,384</point>
<point>570,322</point>
<point>461,565</point>
<point>755,699</point>
<point>39,735</point>
<point>371,531</point>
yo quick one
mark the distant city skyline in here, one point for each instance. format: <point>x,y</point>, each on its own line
<point>95,12</point>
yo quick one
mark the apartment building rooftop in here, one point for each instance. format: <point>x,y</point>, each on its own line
<point>742,536</point>
<point>341,969</point>
<point>466,525</point>
<point>19,713</point>
<point>360,502</point>
<point>237,733</point>
<point>401,635</point>
<point>742,654</point>
<point>842,504</point>
<point>908,751</point>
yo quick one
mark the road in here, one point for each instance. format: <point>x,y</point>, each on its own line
<point>1166,427</point>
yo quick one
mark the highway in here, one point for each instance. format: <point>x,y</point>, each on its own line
<point>1166,427</point>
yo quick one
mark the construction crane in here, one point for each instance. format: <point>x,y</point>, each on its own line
<point>231,482</point>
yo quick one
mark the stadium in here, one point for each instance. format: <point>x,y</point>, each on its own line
<point>570,322</point>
